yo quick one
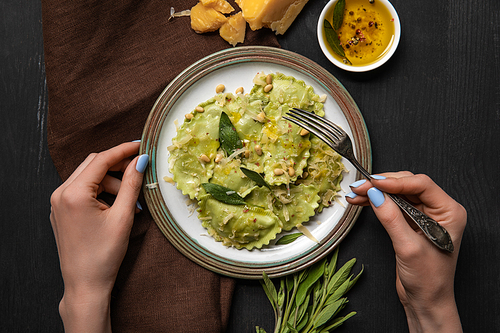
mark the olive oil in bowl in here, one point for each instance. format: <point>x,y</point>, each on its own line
<point>369,33</point>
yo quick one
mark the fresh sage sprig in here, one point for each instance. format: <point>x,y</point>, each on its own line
<point>224,194</point>
<point>310,300</point>
<point>331,30</point>
<point>228,137</point>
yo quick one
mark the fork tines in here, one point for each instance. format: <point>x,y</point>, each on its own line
<point>319,126</point>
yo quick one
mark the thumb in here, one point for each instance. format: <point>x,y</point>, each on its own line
<point>391,218</point>
<point>131,184</point>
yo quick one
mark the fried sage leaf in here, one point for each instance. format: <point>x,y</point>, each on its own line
<point>338,14</point>
<point>224,194</point>
<point>255,176</point>
<point>228,137</point>
<point>333,40</point>
<point>287,239</point>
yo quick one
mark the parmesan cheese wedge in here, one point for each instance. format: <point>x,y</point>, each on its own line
<point>275,14</point>
<point>233,31</point>
<point>206,19</point>
<point>219,5</point>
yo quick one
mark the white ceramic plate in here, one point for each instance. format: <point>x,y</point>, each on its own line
<point>234,68</point>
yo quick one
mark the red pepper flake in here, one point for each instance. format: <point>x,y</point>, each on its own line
<point>229,99</point>
<point>254,220</point>
<point>257,164</point>
<point>245,210</point>
<point>392,19</point>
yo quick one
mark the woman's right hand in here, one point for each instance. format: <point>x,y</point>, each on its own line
<point>424,273</point>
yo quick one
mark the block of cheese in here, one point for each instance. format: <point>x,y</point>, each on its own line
<point>275,14</point>
<point>206,19</point>
<point>219,5</point>
<point>233,31</point>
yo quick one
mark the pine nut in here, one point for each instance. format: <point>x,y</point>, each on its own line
<point>291,171</point>
<point>189,116</point>
<point>220,88</point>
<point>239,90</point>
<point>247,153</point>
<point>304,132</point>
<point>269,79</point>
<point>278,172</point>
<point>204,158</point>
<point>258,150</point>
<point>199,109</point>
<point>268,88</point>
<point>218,158</point>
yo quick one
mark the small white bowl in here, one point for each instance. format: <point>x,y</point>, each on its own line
<point>351,68</point>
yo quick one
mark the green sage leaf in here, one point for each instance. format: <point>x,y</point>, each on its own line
<point>291,329</point>
<point>303,322</point>
<point>224,194</point>
<point>256,177</point>
<point>228,137</point>
<point>333,40</point>
<point>339,321</point>
<point>328,312</point>
<point>281,294</point>
<point>315,272</point>
<point>338,293</point>
<point>270,290</point>
<point>287,239</point>
<point>332,265</point>
<point>353,281</point>
<point>302,310</point>
<point>338,14</point>
<point>340,276</point>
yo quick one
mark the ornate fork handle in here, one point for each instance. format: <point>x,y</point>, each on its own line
<point>433,230</point>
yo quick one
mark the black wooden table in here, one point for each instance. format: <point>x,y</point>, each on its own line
<point>434,108</point>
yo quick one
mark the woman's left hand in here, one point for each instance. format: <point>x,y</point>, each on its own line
<point>92,237</point>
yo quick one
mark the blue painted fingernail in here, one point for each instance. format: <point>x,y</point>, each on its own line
<point>351,195</point>
<point>378,177</point>
<point>376,196</point>
<point>138,204</point>
<point>142,163</point>
<point>358,183</point>
<point>136,141</point>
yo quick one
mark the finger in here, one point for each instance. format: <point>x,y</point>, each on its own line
<point>109,185</point>
<point>96,170</point>
<point>79,170</point>
<point>355,199</point>
<point>391,218</point>
<point>130,187</point>
<point>419,187</point>
<point>121,166</point>
<point>360,186</point>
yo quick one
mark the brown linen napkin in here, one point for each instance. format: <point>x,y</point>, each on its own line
<point>106,63</point>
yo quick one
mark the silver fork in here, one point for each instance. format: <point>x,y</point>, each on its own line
<point>338,140</point>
